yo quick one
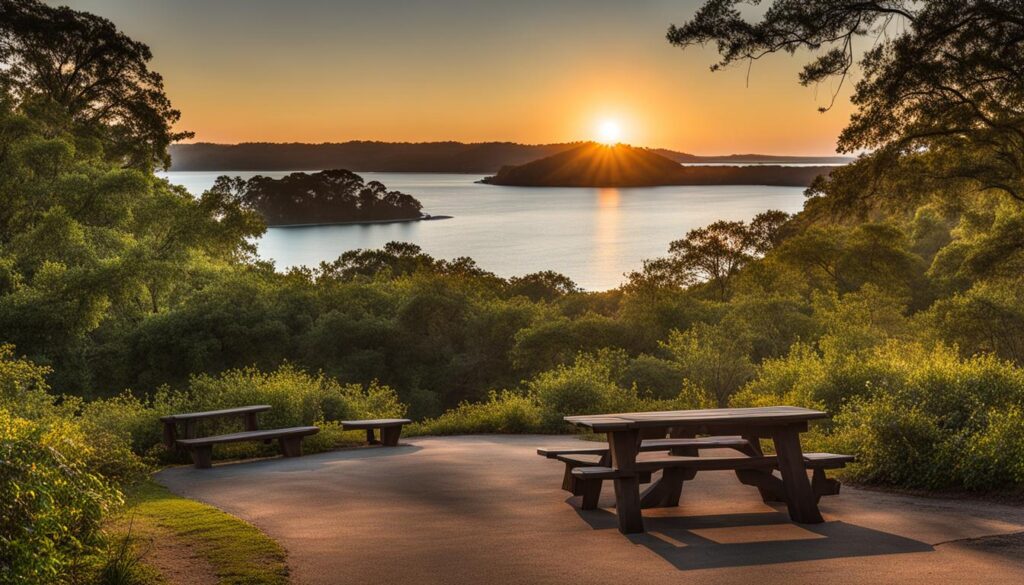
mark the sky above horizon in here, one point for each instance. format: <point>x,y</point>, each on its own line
<point>528,71</point>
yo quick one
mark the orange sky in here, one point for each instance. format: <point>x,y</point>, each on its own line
<point>471,70</point>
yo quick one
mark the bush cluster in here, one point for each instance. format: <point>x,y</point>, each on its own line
<point>915,416</point>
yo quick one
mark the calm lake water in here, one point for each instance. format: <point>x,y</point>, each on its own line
<point>593,236</point>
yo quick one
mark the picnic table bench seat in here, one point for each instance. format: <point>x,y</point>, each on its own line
<point>290,440</point>
<point>390,429</point>
<point>586,460</point>
<point>590,478</point>
<point>578,457</point>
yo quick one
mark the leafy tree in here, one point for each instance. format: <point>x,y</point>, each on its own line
<point>714,357</point>
<point>941,97</point>
<point>716,253</point>
<point>547,285</point>
<point>84,75</point>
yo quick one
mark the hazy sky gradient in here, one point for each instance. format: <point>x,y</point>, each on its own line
<point>530,71</point>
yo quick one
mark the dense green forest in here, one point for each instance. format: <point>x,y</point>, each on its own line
<point>895,300</point>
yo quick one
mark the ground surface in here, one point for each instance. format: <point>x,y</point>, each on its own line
<point>186,542</point>
<point>487,509</point>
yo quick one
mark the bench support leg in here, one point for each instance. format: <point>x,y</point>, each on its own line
<point>291,446</point>
<point>666,491</point>
<point>569,481</point>
<point>389,436</point>
<point>202,456</point>
<point>800,499</point>
<point>371,437</point>
<point>170,434</point>
<point>591,491</point>
<point>822,485</point>
<point>627,505</point>
<point>767,484</point>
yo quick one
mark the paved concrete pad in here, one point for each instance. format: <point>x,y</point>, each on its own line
<point>487,509</point>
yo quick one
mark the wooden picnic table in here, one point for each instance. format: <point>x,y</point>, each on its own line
<point>781,424</point>
<point>170,422</point>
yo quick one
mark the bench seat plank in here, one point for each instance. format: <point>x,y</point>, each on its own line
<point>379,423</point>
<point>655,445</point>
<point>814,461</point>
<point>555,453</point>
<point>216,413</point>
<point>249,436</point>
<point>827,460</point>
<point>582,459</point>
<point>390,429</point>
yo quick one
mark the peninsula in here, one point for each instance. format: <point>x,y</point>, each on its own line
<point>597,165</point>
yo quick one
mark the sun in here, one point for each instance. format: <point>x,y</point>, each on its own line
<point>609,132</point>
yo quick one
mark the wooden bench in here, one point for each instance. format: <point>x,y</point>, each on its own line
<point>678,469</point>
<point>290,440</point>
<point>390,429</point>
<point>170,422</point>
<point>598,456</point>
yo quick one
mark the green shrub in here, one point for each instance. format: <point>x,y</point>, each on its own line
<point>53,500</point>
<point>587,386</point>
<point>504,412</point>
<point>934,420</point>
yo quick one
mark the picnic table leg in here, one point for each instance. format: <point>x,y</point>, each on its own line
<point>800,499</point>
<point>623,447</point>
<point>627,505</point>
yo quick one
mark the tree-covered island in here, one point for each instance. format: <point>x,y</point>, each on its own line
<point>333,196</point>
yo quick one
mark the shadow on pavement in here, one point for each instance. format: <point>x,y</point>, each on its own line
<point>737,540</point>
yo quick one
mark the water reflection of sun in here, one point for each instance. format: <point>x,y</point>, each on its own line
<point>606,235</point>
<point>608,197</point>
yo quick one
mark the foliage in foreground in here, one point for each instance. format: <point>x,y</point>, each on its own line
<point>59,478</point>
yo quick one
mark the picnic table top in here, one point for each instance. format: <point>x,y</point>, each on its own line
<point>216,413</point>
<point>754,416</point>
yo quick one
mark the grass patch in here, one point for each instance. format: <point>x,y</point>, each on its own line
<point>238,553</point>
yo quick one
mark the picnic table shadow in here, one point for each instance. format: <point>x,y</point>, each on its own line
<point>747,539</point>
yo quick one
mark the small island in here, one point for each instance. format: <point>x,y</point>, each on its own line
<point>322,198</point>
<point>598,165</point>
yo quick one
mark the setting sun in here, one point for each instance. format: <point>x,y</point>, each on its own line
<point>609,132</point>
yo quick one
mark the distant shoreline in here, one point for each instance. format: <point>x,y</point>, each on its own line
<point>428,157</point>
<point>364,222</point>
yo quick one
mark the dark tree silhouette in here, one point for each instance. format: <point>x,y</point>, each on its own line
<point>324,197</point>
<point>89,76</point>
<point>941,98</point>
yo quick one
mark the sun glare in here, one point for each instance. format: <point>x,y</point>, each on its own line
<point>609,132</point>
